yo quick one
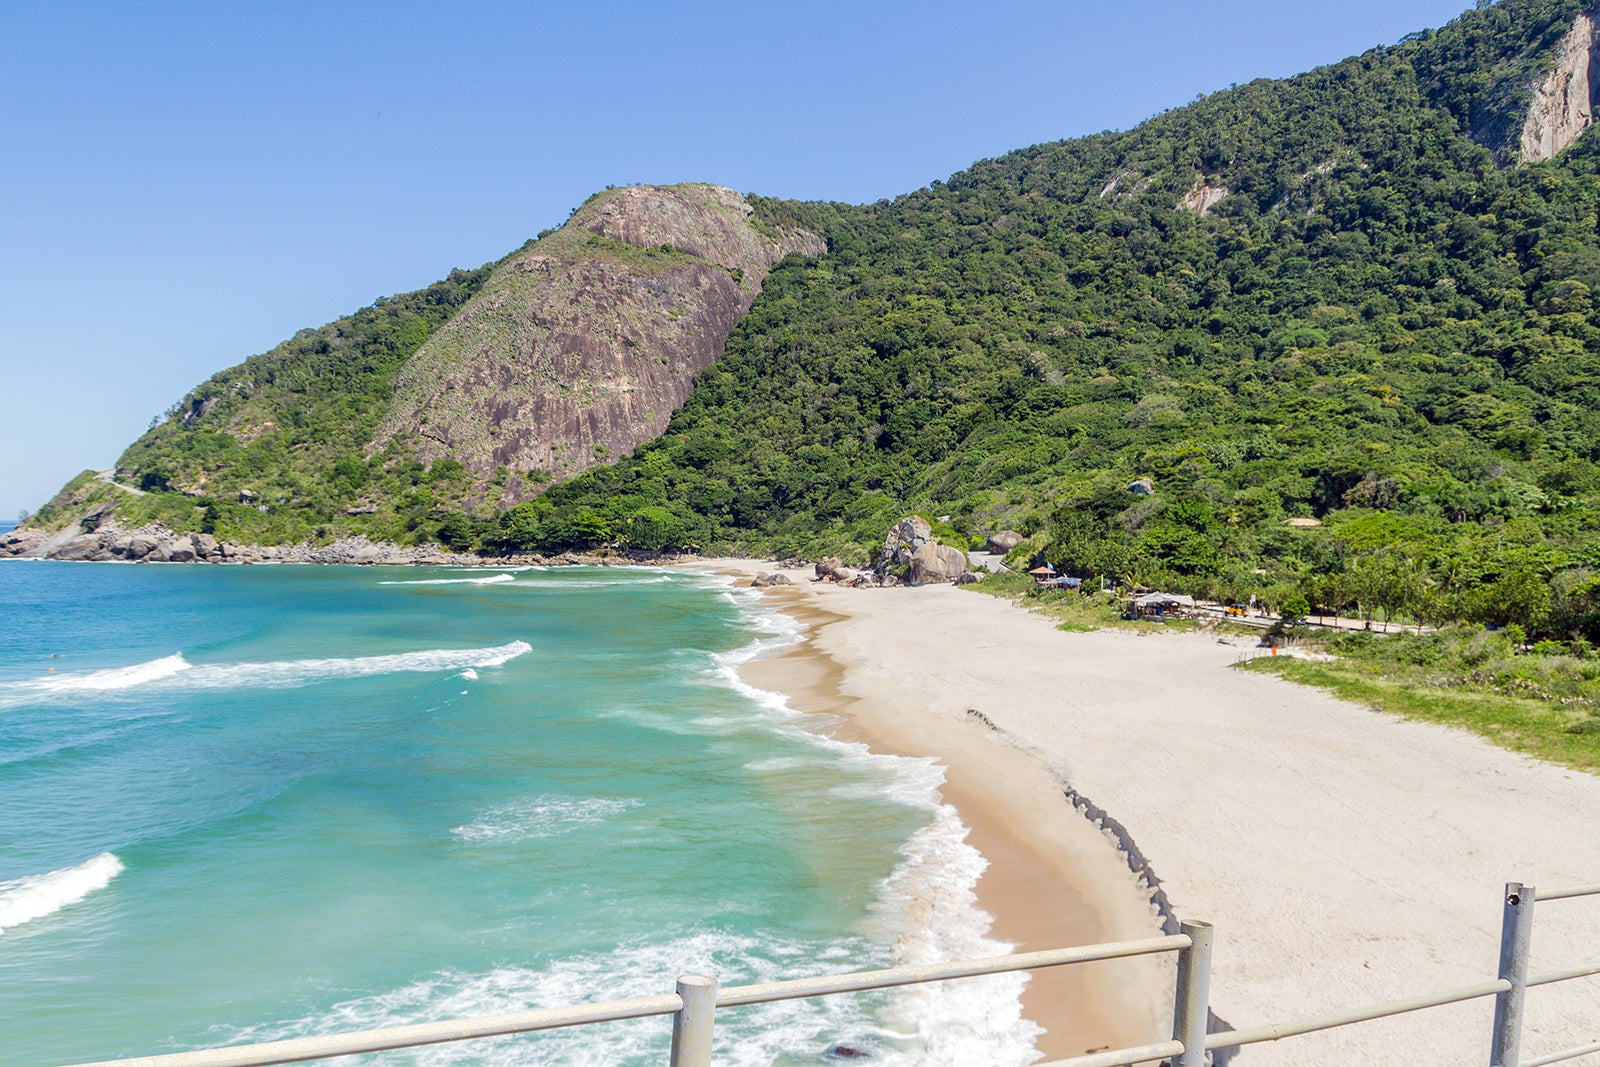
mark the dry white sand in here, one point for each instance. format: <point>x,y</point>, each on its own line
<point>1343,855</point>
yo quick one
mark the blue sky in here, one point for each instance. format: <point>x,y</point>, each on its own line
<point>185,185</point>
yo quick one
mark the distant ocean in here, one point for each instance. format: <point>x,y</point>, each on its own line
<point>249,803</point>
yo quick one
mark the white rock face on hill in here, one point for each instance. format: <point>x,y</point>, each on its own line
<point>1203,197</point>
<point>1563,103</point>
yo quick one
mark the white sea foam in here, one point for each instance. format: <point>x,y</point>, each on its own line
<point>743,1038</point>
<point>481,579</point>
<point>931,895</point>
<point>541,816</point>
<point>928,905</point>
<point>36,895</point>
<point>558,584</point>
<point>174,672</point>
<point>776,763</point>
<point>113,678</point>
<point>469,674</point>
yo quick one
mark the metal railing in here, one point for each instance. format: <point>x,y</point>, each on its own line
<point>696,999</point>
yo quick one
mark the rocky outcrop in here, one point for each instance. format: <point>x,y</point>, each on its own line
<point>1563,102</point>
<point>905,539</point>
<point>579,348</point>
<point>1003,542</point>
<point>831,569</point>
<point>1203,196</point>
<point>22,542</point>
<point>110,543</point>
<point>934,562</point>
<point>910,549</point>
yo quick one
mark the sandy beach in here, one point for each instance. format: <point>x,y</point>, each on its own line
<point>1343,855</point>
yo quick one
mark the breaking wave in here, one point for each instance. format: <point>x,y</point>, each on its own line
<point>482,579</point>
<point>555,584</point>
<point>745,1038</point>
<point>34,896</point>
<point>930,898</point>
<point>175,672</point>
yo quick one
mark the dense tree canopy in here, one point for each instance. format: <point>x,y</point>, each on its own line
<point>1335,296</point>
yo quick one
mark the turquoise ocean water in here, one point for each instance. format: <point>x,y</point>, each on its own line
<point>248,803</point>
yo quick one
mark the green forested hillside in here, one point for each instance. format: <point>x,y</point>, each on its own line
<point>291,425</point>
<point>1380,325</point>
<point>1337,297</point>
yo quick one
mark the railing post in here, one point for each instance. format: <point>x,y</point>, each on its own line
<point>691,1026</point>
<point>1191,1006</point>
<point>1516,934</point>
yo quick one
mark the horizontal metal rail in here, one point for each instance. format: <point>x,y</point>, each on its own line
<point>1121,1057</point>
<point>315,1048</point>
<point>694,1003</point>
<point>1311,1024</point>
<point>1582,970</point>
<point>1570,891</point>
<point>1566,1054</point>
<point>392,1037</point>
<point>799,988</point>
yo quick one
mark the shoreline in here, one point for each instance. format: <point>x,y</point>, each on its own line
<point>1052,879</point>
<point>1345,856</point>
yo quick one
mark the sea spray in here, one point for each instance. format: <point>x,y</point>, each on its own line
<point>31,897</point>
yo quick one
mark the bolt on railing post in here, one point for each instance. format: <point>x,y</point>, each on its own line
<point>691,1024</point>
<point>1191,1005</point>
<point>1516,935</point>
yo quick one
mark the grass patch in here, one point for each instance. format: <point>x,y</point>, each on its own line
<point>1544,706</point>
<point>1072,612</point>
<point>1564,734</point>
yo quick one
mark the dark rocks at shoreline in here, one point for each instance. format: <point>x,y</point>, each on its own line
<point>109,543</point>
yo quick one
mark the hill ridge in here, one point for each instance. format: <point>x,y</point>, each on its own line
<point>1371,314</point>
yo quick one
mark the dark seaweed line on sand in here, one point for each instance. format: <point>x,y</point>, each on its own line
<point>1147,878</point>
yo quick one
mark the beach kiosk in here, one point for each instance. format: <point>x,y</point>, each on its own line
<point>1043,576</point>
<point>1160,605</point>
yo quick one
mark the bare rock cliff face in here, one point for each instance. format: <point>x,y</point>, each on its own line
<point>1563,103</point>
<point>1203,196</point>
<point>581,347</point>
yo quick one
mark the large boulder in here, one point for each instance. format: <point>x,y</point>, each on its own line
<point>21,542</point>
<point>182,551</point>
<point>1004,541</point>
<point>133,546</point>
<point>905,539</point>
<point>83,547</point>
<point>934,562</point>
